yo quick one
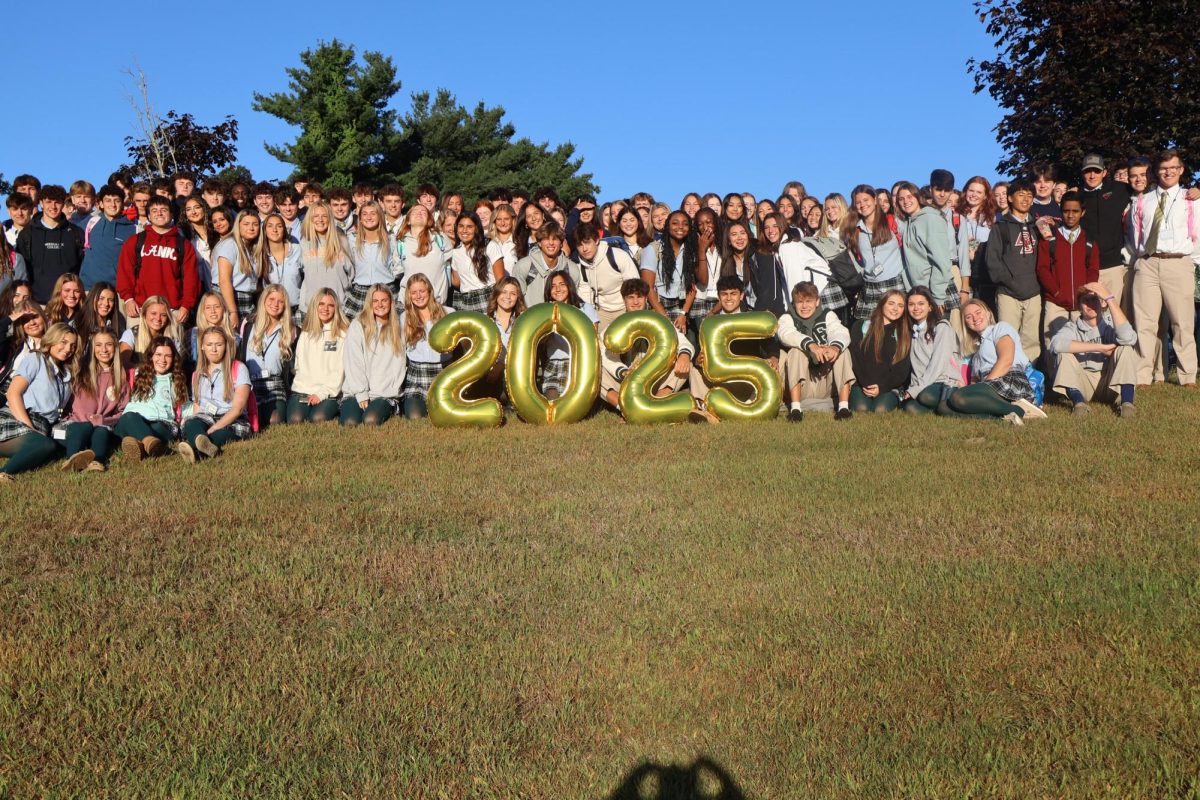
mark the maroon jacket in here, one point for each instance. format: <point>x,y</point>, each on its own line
<point>1062,267</point>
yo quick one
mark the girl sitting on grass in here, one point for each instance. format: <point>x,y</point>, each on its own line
<point>317,385</point>
<point>99,394</point>
<point>40,390</point>
<point>151,417</point>
<point>222,394</point>
<point>374,361</point>
<point>421,312</point>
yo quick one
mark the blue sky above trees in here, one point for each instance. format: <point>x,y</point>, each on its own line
<point>686,97</point>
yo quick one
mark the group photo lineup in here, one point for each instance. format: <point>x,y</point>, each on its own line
<point>432,403</point>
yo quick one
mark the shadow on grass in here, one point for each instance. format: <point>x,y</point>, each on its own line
<point>702,780</point>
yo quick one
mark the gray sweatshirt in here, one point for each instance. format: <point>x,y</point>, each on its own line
<point>937,361</point>
<point>371,372</point>
<point>1079,330</point>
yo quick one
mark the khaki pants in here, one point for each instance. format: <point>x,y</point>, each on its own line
<point>606,319</point>
<point>699,387</point>
<point>1026,317</point>
<point>1158,284</point>
<point>965,343</point>
<point>1119,369</point>
<point>1118,281</point>
<point>1054,318</point>
<point>816,382</point>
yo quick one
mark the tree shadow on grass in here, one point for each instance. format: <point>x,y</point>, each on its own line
<point>703,779</point>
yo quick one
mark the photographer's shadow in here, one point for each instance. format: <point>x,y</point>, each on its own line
<point>704,779</point>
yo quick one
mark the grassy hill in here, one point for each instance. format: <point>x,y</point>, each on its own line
<point>891,606</point>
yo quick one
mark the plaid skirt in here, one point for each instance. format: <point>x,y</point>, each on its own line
<point>476,300</point>
<point>555,373</point>
<point>11,427</point>
<point>952,298</point>
<point>873,292</point>
<point>239,428</point>
<point>269,389</point>
<point>247,304</point>
<point>701,307</point>
<point>1013,386</point>
<point>832,297</point>
<point>419,377</point>
<point>673,306</point>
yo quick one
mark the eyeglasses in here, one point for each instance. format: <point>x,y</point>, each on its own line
<point>1168,170</point>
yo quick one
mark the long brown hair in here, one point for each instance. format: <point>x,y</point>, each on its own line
<point>425,237</point>
<point>987,209</point>
<point>143,382</point>
<point>89,374</point>
<point>881,232</point>
<point>56,310</point>
<point>877,330</point>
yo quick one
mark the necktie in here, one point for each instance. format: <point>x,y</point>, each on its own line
<point>1152,239</point>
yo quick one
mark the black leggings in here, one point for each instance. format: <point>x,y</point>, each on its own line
<point>299,410</point>
<point>28,451</point>
<point>981,401</point>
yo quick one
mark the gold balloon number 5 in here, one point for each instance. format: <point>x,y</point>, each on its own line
<point>721,366</point>
<point>638,403</point>
<point>447,407</point>
<point>520,375</point>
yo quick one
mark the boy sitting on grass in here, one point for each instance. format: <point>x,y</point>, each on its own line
<point>814,341</point>
<point>1096,357</point>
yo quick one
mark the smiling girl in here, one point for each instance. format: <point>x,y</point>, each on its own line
<point>99,394</point>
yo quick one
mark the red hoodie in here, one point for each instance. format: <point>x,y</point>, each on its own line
<point>161,272</point>
<point>1069,268</point>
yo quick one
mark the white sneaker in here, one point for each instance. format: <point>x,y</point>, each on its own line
<point>1014,418</point>
<point>1031,411</point>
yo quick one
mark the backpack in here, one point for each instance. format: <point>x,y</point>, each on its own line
<point>141,242</point>
<point>842,269</point>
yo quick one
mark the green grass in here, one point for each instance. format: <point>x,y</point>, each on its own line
<point>890,607</point>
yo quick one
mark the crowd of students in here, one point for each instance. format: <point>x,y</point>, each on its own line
<point>147,316</point>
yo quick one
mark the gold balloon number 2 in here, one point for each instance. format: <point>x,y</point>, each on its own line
<point>638,402</point>
<point>447,407</point>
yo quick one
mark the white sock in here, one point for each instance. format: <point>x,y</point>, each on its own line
<point>843,404</point>
<point>795,406</point>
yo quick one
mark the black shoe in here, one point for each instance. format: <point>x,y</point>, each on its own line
<point>795,415</point>
<point>843,413</point>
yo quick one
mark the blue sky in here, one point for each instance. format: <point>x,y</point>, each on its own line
<point>683,96</point>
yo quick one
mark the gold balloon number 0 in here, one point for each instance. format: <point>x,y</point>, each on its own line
<point>447,407</point>
<point>520,373</point>
<point>638,403</point>
<point>721,366</point>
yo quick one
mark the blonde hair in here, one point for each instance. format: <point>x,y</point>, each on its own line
<point>59,331</point>
<point>252,263</point>
<point>390,330</point>
<point>361,230</point>
<point>203,365</point>
<point>333,245</point>
<point>497,209</point>
<point>414,328</point>
<point>991,318</point>
<point>88,377</point>
<point>262,323</point>
<point>56,309</point>
<point>836,200</point>
<point>202,324</point>
<point>171,329</point>
<point>312,323</point>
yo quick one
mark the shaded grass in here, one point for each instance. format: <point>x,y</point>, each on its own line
<point>887,607</point>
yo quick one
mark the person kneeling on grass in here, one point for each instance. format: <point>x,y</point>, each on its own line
<point>151,417</point>
<point>935,356</point>
<point>730,294</point>
<point>37,395</point>
<point>614,367</point>
<point>317,385</point>
<point>879,350</point>
<point>99,394</point>
<point>556,353</point>
<point>374,361</point>
<point>1000,388</point>
<point>815,362</point>
<point>1096,355</point>
<point>221,388</point>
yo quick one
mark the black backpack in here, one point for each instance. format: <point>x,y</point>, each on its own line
<point>141,243</point>
<point>842,269</point>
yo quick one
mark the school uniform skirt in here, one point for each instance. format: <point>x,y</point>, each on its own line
<point>1013,386</point>
<point>832,297</point>
<point>475,300</point>
<point>419,377</point>
<point>701,307</point>
<point>555,373</point>
<point>672,305</point>
<point>240,428</point>
<point>873,292</point>
<point>11,427</point>
<point>270,389</point>
<point>247,304</point>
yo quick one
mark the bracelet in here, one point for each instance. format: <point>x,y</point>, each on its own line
<point>1110,298</point>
